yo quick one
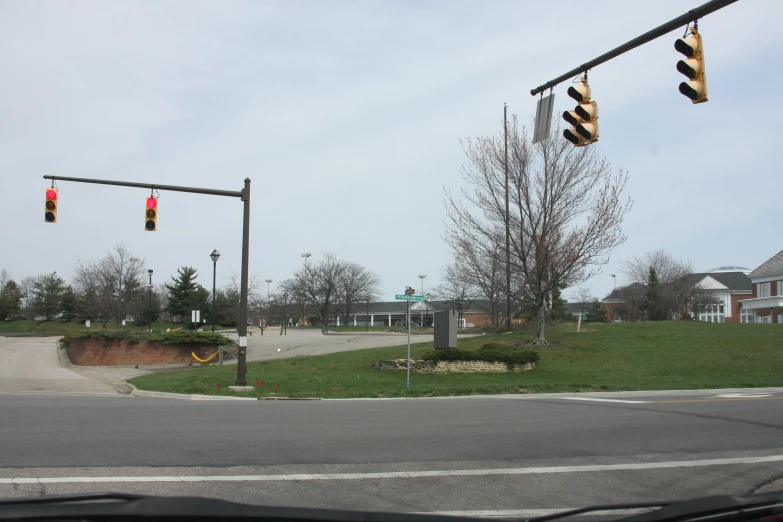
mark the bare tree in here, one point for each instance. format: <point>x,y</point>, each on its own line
<point>26,288</point>
<point>457,290</point>
<point>482,265</point>
<point>319,284</point>
<point>565,211</point>
<point>5,276</point>
<point>584,298</point>
<point>667,268</point>
<point>356,287</point>
<point>282,310</point>
<point>111,287</point>
<point>679,292</point>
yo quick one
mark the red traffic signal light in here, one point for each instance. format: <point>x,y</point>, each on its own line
<point>50,213</point>
<point>151,214</point>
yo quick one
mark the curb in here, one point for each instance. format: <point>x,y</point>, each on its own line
<point>522,396</point>
<point>530,396</point>
<point>198,397</point>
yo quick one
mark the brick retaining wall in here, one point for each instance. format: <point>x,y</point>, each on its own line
<point>93,352</point>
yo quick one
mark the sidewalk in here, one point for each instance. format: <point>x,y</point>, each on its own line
<point>33,364</point>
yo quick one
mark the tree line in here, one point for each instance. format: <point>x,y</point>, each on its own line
<point>115,288</point>
<point>325,290</point>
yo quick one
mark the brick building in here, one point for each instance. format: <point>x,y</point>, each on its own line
<point>765,304</point>
<point>726,285</point>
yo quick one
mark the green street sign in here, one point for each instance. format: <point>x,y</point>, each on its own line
<point>404,297</point>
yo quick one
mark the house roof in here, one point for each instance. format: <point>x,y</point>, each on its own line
<point>398,307</point>
<point>619,294</point>
<point>734,281</point>
<point>772,266</point>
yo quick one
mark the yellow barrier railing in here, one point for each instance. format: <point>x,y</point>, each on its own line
<point>208,359</point>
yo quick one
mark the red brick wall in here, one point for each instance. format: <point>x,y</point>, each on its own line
<point>736,312</point>
<point>91,352</point>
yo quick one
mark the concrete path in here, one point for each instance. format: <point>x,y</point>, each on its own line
<point>310,341</point>
<point>32,364</point>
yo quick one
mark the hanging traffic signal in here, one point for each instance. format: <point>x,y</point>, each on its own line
<point>50,214</point>
<point>692,67</point>
<point>151,214</point>
<point>584,118</point>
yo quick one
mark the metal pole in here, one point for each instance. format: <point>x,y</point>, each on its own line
<point>409,343</point>
<point>367,318</point>
<point>242,326</point>
<point>671,25</point>
<point>150,300</point>
<point>508,232</point>
<point>214,283</point>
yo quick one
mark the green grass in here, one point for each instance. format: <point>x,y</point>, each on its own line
<point>610,357</point>
<point>58,327</point>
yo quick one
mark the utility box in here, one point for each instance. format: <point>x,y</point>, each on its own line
<point>445,329</point>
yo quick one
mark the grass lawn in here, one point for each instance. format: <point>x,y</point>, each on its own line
<point>58,327</point>
<point>608,357</point>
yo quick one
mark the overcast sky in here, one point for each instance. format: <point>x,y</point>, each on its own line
<point>346,116</point>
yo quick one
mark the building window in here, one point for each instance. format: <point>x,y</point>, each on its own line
<point>713,313</point>
<point>763,290</point>
<point>780,288</point>
<point>764,319</point>
<point>747,316</point>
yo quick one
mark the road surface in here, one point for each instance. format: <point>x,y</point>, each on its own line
<point>506,456</point>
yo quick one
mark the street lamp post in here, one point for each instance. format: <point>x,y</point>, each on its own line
<point>614,278</point>
<point>421,312</point>
<point>215,255</point>
<point>149,304</point>
<point>268,301</point>
<point>305,256</point>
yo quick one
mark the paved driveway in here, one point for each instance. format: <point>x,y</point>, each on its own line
<point>31,364</point>
<point>310,341</point>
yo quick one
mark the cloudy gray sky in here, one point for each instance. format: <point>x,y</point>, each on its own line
<point>346,116</point>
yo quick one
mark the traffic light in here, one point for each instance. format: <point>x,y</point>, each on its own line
<point>50,214</point>
<point>584,118</point>
<point>151,214</point>
<point>692,67</point>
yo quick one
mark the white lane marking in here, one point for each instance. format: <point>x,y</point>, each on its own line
<point>398,474</point>
<point>602,400</point>
<point>743,395</point>
<point>528,513</point>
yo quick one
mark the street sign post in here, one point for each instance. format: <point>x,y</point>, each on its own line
<point>403,297</point>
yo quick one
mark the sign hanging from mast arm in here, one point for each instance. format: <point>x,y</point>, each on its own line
<point>543,117</point>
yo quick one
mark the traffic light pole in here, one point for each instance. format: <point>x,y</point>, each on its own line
<point>244,195</point>
<point>671,25</point>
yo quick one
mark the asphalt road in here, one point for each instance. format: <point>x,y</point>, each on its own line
<point>507,456</point>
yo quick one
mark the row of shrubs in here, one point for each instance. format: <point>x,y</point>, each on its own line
<point>489,352</point>
<point>134,337</point>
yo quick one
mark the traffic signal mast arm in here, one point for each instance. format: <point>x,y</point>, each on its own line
<point>661,30</point>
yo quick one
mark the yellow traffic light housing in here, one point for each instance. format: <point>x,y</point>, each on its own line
<point>692,67</point>
<point>151,214</point>
<point>52,201</point>
<point>584,118</point>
